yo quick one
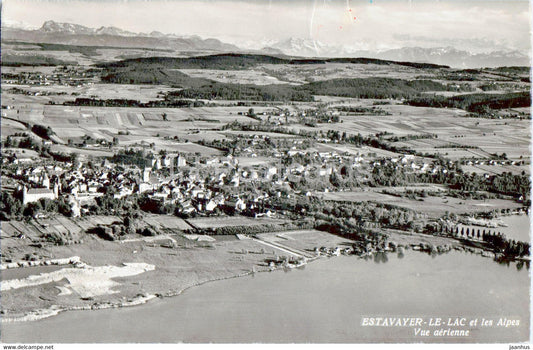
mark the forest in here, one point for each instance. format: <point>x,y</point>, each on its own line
<point>175,103</point>
<point>244,61</point>
<point>379,88</point>
<point>475,103</point>
<point>225,91</point>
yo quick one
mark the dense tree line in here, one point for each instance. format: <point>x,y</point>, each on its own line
<point>43,131</point>
<point>255,229</point>
<point>412,137</point>
<point>476,103</point>
<point>131,157</point>
<point>219,61</point>
<point>379,88</point>
<point>505,183</point>
<point>174,103</point>
<point>346,215</point>
<point>23,142</point>
<point>506,246</point>
<point>351,110</point>
<point>244,61</point>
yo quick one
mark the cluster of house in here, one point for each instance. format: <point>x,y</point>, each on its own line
<point>81,185</point>
<point>281,116</point>
<point>197,188</point>
<point>492,162</point>
<point>413,163</point>
<point>68,77</point>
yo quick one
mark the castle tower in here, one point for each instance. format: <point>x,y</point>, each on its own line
<point>24,195</point>
<point>56,190</point>
<point>146,174</point>
<point>45,180</point>
<point>171,165</point>
<point>180,161</point>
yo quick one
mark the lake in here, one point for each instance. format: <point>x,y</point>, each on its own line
<point>324,302</point>
<point>518,227</point>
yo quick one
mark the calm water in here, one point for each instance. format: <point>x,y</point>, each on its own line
<point>518,227</point>
<point>322,303</point>
<point>19,273</point>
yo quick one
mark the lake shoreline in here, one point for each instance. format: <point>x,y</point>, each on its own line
<point>55,310</point>
<point>279,297</point>
<point>137,296</point>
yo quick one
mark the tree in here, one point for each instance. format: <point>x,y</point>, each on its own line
<point>63,207</point>
<point>10,207</point>
<point>9,142</point>
<point>48,205</point>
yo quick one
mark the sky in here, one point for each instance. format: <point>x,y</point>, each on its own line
<point>474,25</point>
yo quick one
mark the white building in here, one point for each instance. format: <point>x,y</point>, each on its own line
<point>34,194</point>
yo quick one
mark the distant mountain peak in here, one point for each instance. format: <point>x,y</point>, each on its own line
<point>76,34</point>
<point>453,57</point>
<point>6,22</point>
<point>71,28</point>
<point>157,34</point>
<point>445,55</point>
<point>113,31</point>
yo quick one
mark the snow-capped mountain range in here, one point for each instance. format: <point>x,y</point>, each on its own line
<point>77,29</point>
<point>75,34</point>
<point>449,56</point>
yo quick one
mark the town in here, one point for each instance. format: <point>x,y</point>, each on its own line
<point>129,174</point>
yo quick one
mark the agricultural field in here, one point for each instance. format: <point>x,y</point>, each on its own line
<point>304,240</point>
<point>457,136</point>
<point>64,93</point>
<point>17,234</point>
<point>166,222</point>
<point>300,74</point>
<point>257,77</point>
<point>216,222</point>
<point>80,55</point>
<point>496,169</point>
<point>131,125</point>
<point>433,206</point>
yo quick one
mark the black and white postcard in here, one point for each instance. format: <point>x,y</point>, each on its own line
<point>283,171</point>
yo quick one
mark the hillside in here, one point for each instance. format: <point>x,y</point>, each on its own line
<point>372,87</point>
<point>245,61</point>
<point>477,103</point>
